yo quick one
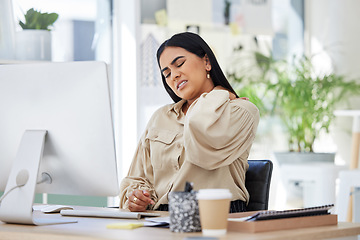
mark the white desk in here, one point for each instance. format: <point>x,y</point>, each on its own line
<point>95,228</point>
<point>356,135</point>
<point>346,181</point>
<point>318,180</point>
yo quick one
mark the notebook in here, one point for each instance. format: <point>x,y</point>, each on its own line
<point>302,212</point>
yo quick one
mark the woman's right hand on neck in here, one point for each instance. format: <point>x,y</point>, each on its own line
<point>232,96</point>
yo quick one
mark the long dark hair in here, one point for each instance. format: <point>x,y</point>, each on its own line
<point>195,44</point>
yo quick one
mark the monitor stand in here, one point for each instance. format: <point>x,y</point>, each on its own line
<point>16,207</point>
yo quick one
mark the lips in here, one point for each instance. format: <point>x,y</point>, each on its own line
<point>181,84</point>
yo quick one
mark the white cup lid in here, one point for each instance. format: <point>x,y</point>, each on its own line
<point>214,193</point>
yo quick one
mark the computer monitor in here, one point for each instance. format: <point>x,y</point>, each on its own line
<point>64,111</point>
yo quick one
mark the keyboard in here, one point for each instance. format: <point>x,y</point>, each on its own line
<point>108,213</point>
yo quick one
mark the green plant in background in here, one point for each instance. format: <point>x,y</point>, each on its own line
<point>303,99</point>
<point>37,20</point>
<point>253,95</point>
<point>227,11</point>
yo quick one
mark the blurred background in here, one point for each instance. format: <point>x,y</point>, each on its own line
<point>126,34</point>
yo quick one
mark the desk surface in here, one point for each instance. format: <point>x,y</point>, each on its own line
<point>95,228</point>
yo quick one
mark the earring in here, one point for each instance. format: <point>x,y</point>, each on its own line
<point>208,75</point>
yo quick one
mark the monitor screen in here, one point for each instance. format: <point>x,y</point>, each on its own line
<point>71,101</point>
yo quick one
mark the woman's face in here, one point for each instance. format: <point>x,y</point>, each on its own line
<point>185,73</point>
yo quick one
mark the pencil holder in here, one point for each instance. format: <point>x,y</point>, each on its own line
<point>184,212</point>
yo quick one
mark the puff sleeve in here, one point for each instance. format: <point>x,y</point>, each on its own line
<point>218,130</point>
<point>138,175</point>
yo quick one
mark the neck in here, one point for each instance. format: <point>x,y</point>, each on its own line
<point>185,107</point>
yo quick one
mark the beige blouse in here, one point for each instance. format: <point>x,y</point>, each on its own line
<point>209,147</point>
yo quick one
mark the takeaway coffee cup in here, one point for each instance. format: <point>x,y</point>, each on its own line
<point>184,212</point>
<point>214,205</point>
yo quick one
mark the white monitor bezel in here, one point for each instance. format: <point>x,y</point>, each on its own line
<point>71,101</point>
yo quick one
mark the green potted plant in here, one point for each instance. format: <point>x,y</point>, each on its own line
<point>304,100</point>
<point>37,20</point>
<point>34,42</point>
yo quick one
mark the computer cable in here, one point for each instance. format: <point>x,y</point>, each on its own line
<point>21,179</point>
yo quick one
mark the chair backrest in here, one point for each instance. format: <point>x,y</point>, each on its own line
<point>257,182</point>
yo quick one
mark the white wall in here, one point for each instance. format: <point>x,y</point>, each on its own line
<point>333,26</point>
<point>126,24</point>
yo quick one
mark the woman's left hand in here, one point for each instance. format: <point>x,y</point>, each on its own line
<point>139,200</point>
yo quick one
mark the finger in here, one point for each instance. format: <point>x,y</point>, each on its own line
<point>147,194</point>
<point>140,195</point>
<point>141,200</point>
<point>133,207</point>
<point>137,200</point>
<point>232,96</point>
<point>135,204</point>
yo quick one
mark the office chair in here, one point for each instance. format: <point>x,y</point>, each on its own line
<point>257,182</point>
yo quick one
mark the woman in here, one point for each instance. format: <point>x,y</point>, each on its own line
<point>204,137</point>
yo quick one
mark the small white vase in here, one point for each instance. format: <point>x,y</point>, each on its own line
<point>33,45</point>
<point>7,30</point>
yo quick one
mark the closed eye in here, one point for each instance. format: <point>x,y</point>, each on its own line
<point>176,62</point>
<point>181,64</point>
<point>168,74</point>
